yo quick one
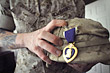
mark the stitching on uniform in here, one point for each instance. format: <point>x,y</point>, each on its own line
<point>39,8</point>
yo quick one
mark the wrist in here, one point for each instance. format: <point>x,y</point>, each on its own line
<point>20,40</point>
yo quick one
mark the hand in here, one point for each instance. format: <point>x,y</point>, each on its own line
<point>82,67</point>
<point>37,41</point>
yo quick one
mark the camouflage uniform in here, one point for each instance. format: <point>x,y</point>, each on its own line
<point>91,39</point>
<point>30,15</point>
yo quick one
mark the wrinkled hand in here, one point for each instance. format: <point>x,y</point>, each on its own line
<point>84,67</point>
<point>37,41</point>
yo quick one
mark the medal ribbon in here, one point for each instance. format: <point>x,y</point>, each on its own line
<point>70,35</point>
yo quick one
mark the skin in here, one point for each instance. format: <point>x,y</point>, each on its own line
<point>35,41</point>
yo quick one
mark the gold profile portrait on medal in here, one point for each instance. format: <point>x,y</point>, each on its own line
<point>70,52</point>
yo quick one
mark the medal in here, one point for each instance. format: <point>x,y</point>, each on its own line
<point>70,51</point>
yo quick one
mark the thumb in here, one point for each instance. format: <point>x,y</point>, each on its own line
<point>55,23</point>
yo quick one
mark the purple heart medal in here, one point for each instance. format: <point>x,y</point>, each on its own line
<point>70,51</point>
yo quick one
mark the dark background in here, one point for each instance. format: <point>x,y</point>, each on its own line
<point>89,1</point>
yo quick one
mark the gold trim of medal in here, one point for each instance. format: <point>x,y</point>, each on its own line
<point>67,52</point>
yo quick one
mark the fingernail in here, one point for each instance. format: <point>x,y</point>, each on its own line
<point>58,53</point>
<point>60,42</point>
<point>49,61</point>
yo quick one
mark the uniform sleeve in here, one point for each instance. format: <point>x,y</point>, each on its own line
<point>6,19</point>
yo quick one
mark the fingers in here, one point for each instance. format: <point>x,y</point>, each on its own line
<point>39,52</point>
<point>55,23</point>
<point>51,38</point>
<point>44,34</point>
<point>43,44</point>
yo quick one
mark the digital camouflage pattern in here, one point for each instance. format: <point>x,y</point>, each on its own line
<point>30,15</point>
<point>92,41</point>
